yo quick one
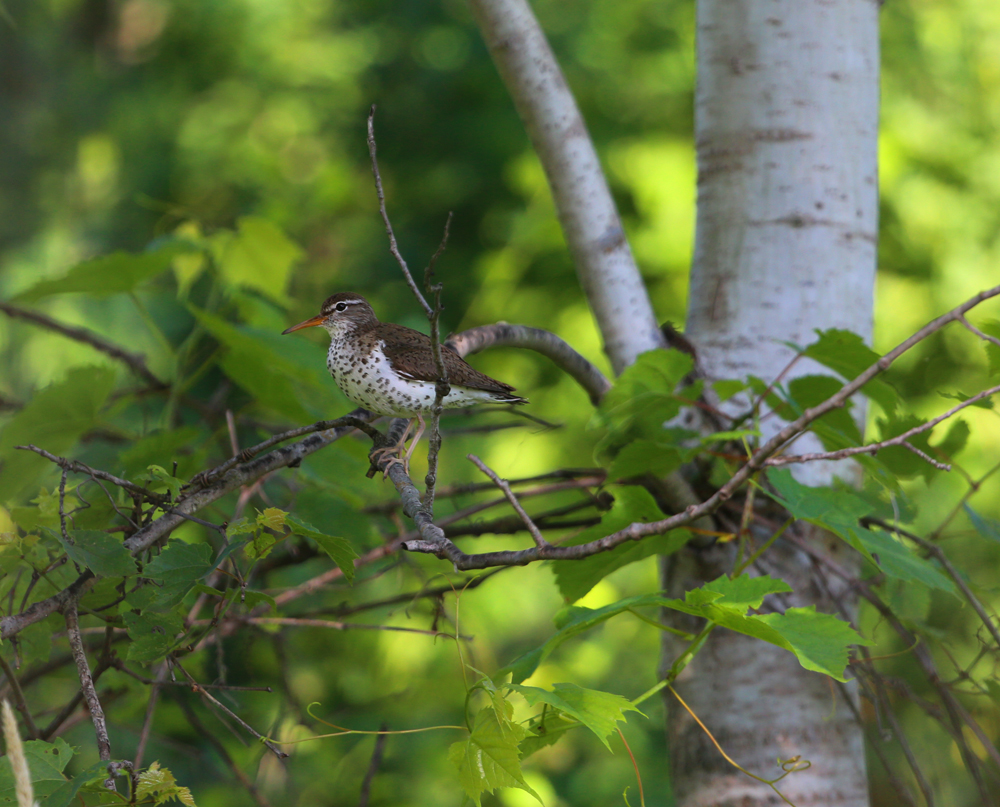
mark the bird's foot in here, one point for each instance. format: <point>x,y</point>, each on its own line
<point>377,455</point>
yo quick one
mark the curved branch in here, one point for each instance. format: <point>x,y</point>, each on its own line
<point>587,212</point>
<point>548,344</point>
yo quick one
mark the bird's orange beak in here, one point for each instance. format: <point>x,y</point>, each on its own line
<point>309,323</point>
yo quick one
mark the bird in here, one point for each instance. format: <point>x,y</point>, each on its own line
<point>389,369</point>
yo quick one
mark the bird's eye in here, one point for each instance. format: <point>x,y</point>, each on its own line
<point>341,306</point>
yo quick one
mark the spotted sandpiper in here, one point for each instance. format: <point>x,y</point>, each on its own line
<point>390,370</point>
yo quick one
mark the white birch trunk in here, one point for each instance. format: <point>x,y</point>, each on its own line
<point>587,212</point>
<point>786,127</point>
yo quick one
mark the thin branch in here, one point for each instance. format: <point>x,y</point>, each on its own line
<point>536,533</point>
<point>898,440</point>
<point>136,361</point>
<point>978,332</point>
<point>215,702</point>
<point>380,740</point>
<point>79,468</point>
<point>441,387</point>
<point>202,731</point>
<point>548,344</point>
<point>299,622</point>
<point>151,704</point>
<point>393,247</point>
<point>19,701</point>
<point>87,685</point>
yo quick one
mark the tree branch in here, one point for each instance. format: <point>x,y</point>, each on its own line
<point>587,213</point>
<point>536,533</point>
<point>548,344</point>
<point>136,361</point>
<point>87,686</point>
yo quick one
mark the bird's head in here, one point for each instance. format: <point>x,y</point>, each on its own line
<point>340,314</point>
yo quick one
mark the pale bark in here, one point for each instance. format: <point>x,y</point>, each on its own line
<point>587,212</point>
<point>786,127</point>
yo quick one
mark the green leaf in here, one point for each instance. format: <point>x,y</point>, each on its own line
<point>901,461</point>
<point>66,793</point>
<point>153,635</point>
<point>156,473</point>
<point>160,785</point>
<point>839,511</point>
<point>176,569</point>
<point>98,551</point>
<point>992,328</point>
<point>339,550</point>
<point>276,373</point>
<point>598,711</point>
<point>53,419</point>
<point>983,403</point>
<point>632,504</point>
<point>836,429</point>
<point>819,641</point>
<point>46,761</point>
<point>727,388</point>
<point>847,354</point>
<point>745,592</point>
<point>257,256</point>
<point>242,526</point>
<point>571,621</point>
<point>489,758</point>
<point>645,456</point>
<point>986,527</point>
<point>993,690</point>
<point>185,445</point>
<point>110,274</point>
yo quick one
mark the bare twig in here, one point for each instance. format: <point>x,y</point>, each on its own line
<point>202,731</point>
<point>898,440</point>
<point>299,622</point>
<point>380,740</point>
<point>441,387</point>
<point>978,332</point>
<point>536,533</point>
<point>215,702</point>
<point>151,704</point>
<point>79,468</point>
<point>19,701</point>
<point>393,247</point>
<point>136,361</point>
<point>87,685</point>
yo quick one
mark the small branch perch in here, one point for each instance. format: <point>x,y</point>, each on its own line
<point>536,533</point>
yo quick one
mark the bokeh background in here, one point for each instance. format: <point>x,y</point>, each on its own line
<point>126,121</point>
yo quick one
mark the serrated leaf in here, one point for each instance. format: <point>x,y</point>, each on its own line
<point>157,473</point>
<point>272,518</point>
<point>242,526</point>
<point>98,551</point>
<point>67,793</point>
<point>257,256</point>
<point>847,354</point>
<point>901,461</point>
<point>836,429</point>
<point>176,570</point>
<point>839,512</point>
<point>631,504</point>
<point>489,758</point>
<point>745,592</point>
<point>261,544</point>
<point>598,711</point>
<point>110,274</point>
<point>153,635</point>
<point>339,550</point>
<point>55,417</point>
<point>819,641</point>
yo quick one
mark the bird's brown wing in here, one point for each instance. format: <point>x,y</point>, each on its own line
<point>411,355</point>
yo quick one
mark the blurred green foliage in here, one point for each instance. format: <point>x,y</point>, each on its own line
<point>237,127</point>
